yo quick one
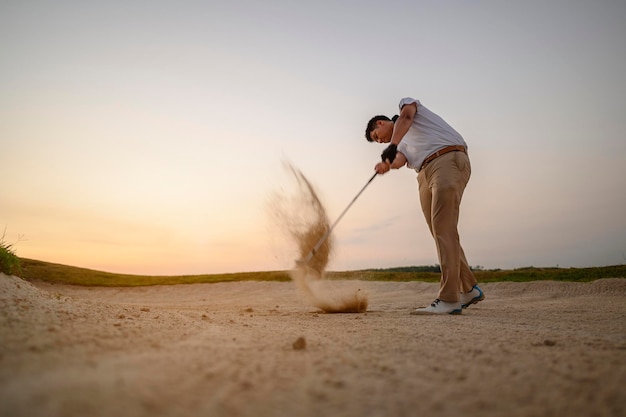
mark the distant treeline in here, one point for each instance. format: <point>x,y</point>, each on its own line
<point>425,268</point>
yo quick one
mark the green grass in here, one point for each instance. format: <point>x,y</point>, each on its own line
<point>9,262</point>
<point>514,275</point>
<point>63,274</point>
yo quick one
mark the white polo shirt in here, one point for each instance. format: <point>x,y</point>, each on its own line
<point>428,133</point>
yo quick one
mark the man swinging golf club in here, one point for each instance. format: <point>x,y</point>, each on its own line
<point>423,141</point>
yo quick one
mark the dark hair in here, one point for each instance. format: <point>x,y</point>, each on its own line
<point>371,125</point>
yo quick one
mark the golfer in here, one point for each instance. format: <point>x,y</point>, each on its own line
<point>423,141</point>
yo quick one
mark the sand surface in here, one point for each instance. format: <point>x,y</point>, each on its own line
<point>254,349</point>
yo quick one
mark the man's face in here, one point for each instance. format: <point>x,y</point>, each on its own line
<point>382,132</point>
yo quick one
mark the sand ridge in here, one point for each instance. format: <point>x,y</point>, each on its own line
<point>539,348</point>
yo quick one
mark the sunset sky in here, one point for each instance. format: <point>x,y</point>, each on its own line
<point>148,136</point>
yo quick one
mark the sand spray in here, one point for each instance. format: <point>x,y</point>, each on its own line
<point>302,217</point>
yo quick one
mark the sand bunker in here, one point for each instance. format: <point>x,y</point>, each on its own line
<point>250,349</point>
<point>302,217</point>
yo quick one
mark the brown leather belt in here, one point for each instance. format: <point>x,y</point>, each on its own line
<point>431,157</point>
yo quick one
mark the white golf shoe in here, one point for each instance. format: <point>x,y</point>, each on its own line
<point>440,307</point>
<point>472,297</point>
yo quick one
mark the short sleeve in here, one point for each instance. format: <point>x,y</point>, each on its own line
<point>408,100</point>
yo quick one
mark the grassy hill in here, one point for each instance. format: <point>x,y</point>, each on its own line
<point>63,274</point>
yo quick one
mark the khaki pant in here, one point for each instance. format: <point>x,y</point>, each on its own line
<point>441,186</point>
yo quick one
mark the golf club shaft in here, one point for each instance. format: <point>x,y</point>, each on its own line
<point>330,229</point>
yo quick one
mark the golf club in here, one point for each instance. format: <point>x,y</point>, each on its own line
<point>319,243</point>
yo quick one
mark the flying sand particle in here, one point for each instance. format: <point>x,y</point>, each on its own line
<point>303,217</point>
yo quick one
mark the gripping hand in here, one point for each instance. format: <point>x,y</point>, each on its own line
<point>389,153</point>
